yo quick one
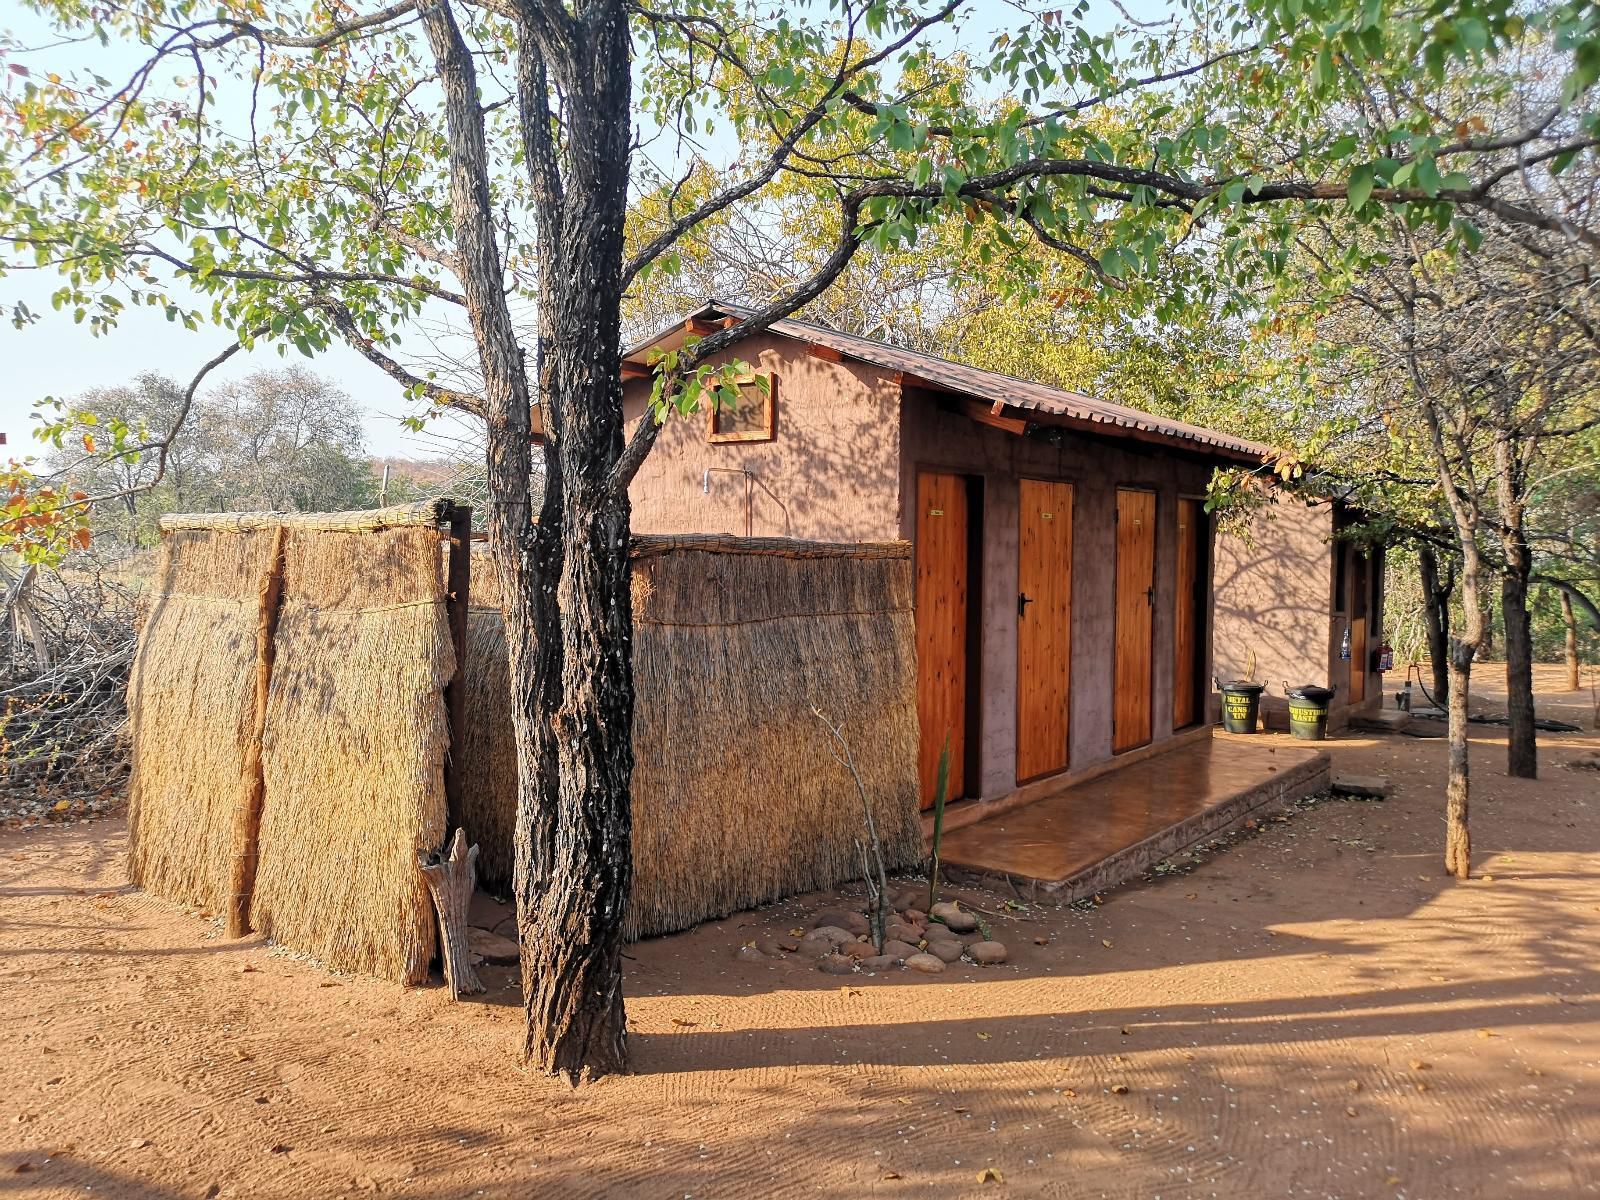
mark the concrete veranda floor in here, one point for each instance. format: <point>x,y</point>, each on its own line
<point>1093,835</point>
<point>1316,1011</point>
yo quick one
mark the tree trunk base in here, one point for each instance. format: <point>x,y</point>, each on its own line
<point>1457,835</point>
<point>450,882</point>
<point>577,1025</point>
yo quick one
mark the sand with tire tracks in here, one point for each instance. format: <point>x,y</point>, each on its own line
<point>1316,1011</point>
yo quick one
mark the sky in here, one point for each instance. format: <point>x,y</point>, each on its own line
<point>55,357</point>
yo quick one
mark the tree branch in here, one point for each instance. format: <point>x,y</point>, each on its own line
<point>644,436</point>
<point>786,146</point>
<point>345,323</point>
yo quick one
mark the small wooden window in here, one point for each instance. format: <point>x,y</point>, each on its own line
<point>754,418</point>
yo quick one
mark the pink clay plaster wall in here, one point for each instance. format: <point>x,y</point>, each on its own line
<point>1275,595</point>
<point>831,474</point>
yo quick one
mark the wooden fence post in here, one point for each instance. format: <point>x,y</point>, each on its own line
<point>457,586</point>
<point>247,816</point>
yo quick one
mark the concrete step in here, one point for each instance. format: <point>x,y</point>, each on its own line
<point>1297,782</point>
<point>1370,787</point>
<point>1385,720</point>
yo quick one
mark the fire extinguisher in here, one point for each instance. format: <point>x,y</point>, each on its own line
<point>1385,657</point>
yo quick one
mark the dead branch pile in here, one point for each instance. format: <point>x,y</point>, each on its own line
<point>66,643</point>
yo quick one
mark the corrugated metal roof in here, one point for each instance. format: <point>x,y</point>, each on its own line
<point>991,386</point>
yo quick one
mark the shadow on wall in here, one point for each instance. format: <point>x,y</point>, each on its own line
<point>835,480</point>
<point>830,473</point>
<point>1271,601</point>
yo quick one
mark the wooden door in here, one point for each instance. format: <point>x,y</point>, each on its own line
<point>1188,617</point>
<point>942,547</point>
<point>1044,626</point>
<point>1359,591</point>
<point>1136,590</point>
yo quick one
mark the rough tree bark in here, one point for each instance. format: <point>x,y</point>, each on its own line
<point>565,579</point>
<point>1454,471</point>
<point>1522,752</point>
<point>1457,831</point>
<point>1457,835</point>
<point>574,833</point>
<point>1570,620</point>
<point>1436,591</point>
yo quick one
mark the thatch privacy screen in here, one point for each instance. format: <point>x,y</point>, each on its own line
<point>305,810</point>
<point>736,798</point>
<point>349,782</point>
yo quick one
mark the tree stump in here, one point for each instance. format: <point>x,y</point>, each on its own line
<point>450,882</point>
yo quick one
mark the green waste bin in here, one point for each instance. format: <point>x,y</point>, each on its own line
<point>1308,711</point>
<point>1241,704</point>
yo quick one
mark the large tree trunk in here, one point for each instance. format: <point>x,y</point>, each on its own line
<point>1467,518</point>
<point>1522,754</point>
<point>1457,834</point>
<point>1570,620</point>
<point>574,828</point>
<point>1436,616</point>
<point>564,579</point>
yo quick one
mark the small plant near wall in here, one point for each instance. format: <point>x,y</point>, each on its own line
<point>872,871</point>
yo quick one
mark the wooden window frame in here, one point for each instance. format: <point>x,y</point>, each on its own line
<point>768,434</point>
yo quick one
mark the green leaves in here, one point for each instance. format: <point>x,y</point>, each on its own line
<point>1362,179</point>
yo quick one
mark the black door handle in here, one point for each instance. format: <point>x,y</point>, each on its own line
<point>1023,600</point>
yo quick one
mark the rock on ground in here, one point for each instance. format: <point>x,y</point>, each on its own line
<point>953,917</point>
<point>816,947</point>
<point>486,912</point>
<point>492,947</point>
<point>987,953</point>
<point>842,918</point>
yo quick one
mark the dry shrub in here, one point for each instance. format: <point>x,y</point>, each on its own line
<point>66,647</point>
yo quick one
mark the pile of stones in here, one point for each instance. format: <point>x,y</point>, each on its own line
<point>840,939</point>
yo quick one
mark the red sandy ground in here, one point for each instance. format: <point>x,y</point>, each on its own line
<point>1314,1012</point>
